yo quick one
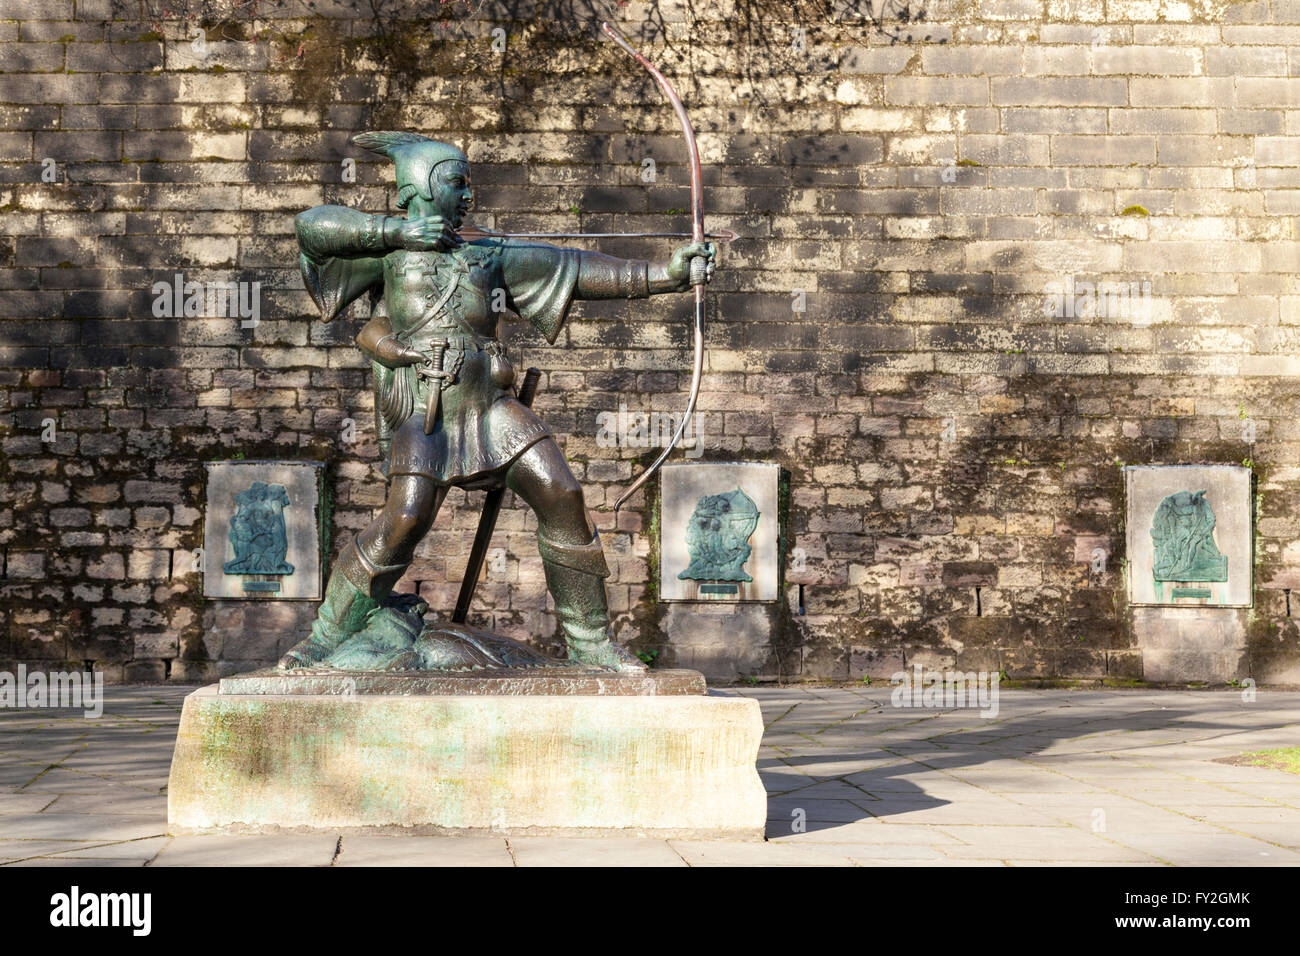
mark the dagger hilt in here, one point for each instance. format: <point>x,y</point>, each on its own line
<point>438,377</point>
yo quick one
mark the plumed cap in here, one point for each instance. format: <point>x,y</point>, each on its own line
<point>415,157</point>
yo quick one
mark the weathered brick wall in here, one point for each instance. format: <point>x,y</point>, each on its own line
<point>953,451</point>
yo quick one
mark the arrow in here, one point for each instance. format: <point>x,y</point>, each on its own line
<point>470,233</point>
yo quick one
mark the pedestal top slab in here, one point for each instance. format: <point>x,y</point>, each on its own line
<point>535,681</point>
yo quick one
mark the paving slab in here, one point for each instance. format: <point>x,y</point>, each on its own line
<point>117,801</point>
<point>1229,816</point>
<point>586,851</point>
<point>1285,794</point>
<point>889,854</point>
<point>270,850</point>
<point>875,786</point>
<point>23,802</point>
<point>67,861</point>
<point>705,853</point>
<point>1034,843</point>
<point>1192,794</point>
<point>1111,817</point>
<point>1283,834</point>
<point>965,812</point>
<point>1210,772</point>
<point>871,833</point>
<point>18,774</point>
<point>142,850</point>
<point>1219,848</point>
<point>787,810</point>
<point>61,781</point>
<point>83,827</point>
<point>424,851</point>
<point>22,849</point>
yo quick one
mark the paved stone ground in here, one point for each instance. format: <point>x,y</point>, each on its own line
<point>1103,778</point>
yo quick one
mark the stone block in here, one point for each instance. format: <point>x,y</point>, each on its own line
<point>572,765</point>
<point>1175,666</point>
<point>721,641</point>
<point>1181,644</point>
<point>874,662</point>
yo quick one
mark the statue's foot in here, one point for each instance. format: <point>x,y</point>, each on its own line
<point>605,654</point>
<point>304,654</point>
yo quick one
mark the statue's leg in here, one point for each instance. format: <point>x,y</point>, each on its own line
<point>368,567</point>
<point>571,555</point>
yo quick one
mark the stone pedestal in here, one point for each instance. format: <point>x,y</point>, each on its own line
<point>724,642</point>
<point>1182,644</point>
<point>675,763</point>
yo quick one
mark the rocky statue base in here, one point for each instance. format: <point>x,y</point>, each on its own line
<point>541,751</point>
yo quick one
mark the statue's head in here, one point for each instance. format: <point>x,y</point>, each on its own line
<point>432,175</point>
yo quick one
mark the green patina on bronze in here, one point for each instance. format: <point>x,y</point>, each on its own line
<point>717,537</point>
<point>448,414</point>
<point>1183,533</point>
<point>396,637</point>
<point>257,532</point>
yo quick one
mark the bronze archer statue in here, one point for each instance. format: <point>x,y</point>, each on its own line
<point>444,386</point>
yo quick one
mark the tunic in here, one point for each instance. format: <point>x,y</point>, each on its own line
<point>459,297</point>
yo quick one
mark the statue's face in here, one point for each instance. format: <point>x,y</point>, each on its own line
<point>451,193</point>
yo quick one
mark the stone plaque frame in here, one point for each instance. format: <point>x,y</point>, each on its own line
<point>1228,492</point>
<point>681,487</point>
<point>303,523</point>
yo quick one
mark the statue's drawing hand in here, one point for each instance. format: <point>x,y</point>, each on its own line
<point>680,265</point>
<point>429,234</point>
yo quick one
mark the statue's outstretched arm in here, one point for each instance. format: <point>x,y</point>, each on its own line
<point>606,277</point>
<point>542,281</point>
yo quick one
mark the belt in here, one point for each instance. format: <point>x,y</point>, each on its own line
<point>466,342</point>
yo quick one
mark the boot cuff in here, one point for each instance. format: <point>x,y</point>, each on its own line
<point>588,558</point>
<point>363,573</point>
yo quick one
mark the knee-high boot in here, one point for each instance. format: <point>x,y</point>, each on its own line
<point>575,576</point>
<point>356,587</point>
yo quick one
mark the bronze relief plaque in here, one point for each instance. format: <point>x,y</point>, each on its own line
<point>262,531</point>
<point>1189,530</point>
<point>718,533</point>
